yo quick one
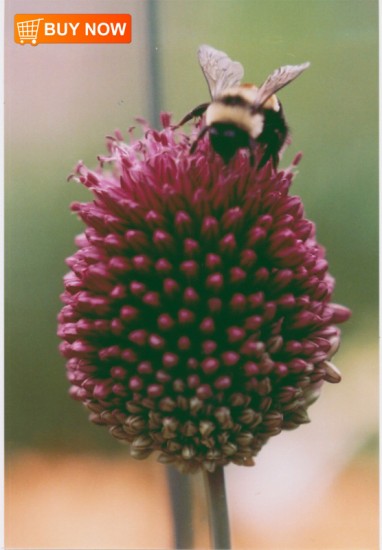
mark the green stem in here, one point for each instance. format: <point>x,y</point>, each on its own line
<point>217,509</point>
<point>181,504</point>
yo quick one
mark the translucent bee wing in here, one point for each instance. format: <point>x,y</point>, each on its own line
<point>219,70</point>
<point>277,80</point>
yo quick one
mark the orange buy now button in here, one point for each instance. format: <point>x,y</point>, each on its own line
<point>72,28</point>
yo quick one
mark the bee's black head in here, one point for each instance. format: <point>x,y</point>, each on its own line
<point>227,138</point>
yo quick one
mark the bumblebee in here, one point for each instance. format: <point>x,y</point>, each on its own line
<point>242,115</point>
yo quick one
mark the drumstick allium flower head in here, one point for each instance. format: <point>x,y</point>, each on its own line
<point>197,318</point>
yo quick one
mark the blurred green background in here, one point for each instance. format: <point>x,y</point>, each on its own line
<point>61,100</point>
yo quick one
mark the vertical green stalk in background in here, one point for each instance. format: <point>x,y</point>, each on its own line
<point>181,507</point>
<point>179,484</point>
<point>154,88</point>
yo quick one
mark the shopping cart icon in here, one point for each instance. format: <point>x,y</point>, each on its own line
<point>28,30</point>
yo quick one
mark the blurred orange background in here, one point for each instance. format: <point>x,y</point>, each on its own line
<point>88,502</point>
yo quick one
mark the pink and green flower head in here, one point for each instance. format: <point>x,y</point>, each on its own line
<point>197,318</point>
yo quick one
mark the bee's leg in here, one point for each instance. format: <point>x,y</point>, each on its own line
<point>202,132</point>
<point>252,147</point>
<point>251,158</point>
<point>267,154</point>
<point>276,159</point>
<point>197,112</point>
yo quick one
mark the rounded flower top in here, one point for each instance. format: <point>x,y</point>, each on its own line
<point>197,318</point>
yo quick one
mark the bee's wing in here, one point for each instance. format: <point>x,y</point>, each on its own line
<point>219,70</point>
<point>277,80</point>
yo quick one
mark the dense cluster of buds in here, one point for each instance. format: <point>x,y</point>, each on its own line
<point>197,318</point>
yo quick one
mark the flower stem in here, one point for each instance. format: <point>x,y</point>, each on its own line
<point>154,89</point>
<point>181,505</point>
<point>217,509</point>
